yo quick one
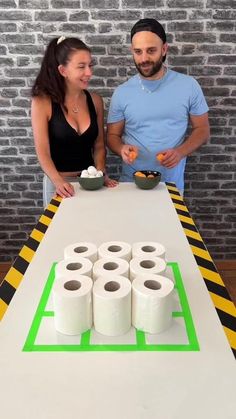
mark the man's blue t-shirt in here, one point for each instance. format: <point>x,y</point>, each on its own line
<point>156,121</point>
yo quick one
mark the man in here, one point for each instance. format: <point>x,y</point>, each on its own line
<point>149,113</point>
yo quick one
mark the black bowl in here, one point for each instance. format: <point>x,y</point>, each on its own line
<point>91,183</point>
<point>147,182</point>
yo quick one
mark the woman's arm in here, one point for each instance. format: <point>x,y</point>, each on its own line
<point>40,115</point>
<point>99,146</point>
<point>99,153</point>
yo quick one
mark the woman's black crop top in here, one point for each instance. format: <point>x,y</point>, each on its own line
<point>71,151</point>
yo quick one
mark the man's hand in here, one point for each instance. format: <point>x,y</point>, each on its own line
<point>129,153</point>
<point>169,158</point>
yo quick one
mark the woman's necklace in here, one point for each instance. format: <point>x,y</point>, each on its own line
<point>75,109</point>
<point>160,81</point>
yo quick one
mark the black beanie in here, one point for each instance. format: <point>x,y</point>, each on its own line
<point>150,25</point>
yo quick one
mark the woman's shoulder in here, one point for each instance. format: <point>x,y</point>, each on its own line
<point>97,100</point>
<point>41,100</point>
<point>96,97</point>
<point>42,104</point>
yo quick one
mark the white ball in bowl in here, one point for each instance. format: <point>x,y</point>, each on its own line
<point>92,171</point>
<point>84,173</point>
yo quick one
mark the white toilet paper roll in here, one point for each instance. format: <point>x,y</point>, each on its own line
<point>72,300</point>
<point>110,267</point>
<point>83,249</point>
<point>146,265</point>
<point>152,303</point>
<point>115,249</point>
<point>112,305</point>
<point>81,266</point>
<point>148,249</point>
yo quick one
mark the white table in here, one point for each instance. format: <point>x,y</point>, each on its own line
<point>105,384</point>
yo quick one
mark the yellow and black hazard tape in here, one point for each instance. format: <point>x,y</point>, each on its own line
<point>15,274</point>
<point>224,306</point>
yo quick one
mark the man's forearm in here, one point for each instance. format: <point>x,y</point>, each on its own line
<point>115,143</point>
<point>198,137</point>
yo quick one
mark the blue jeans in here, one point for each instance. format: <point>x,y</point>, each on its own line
<point>49,189</point>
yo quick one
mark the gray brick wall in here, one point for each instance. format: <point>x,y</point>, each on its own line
<point>201,34</point>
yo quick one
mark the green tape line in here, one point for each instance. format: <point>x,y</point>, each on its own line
<point>85,339</point>
<point>40,312</point>
<point>85,345</point>
<point>185,307</point>
<point>140,338</point>
<point>111,348</point>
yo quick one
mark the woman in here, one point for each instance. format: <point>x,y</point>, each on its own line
<point>67,120</point>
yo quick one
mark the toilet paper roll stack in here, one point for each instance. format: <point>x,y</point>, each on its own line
<point>112,305</point>
<point>146,265</point>
<point>115,249</point>
<point>72,300</point>
<point>72,266</point>
<point>152,303</point>
<point>140,249</point>
<point>83,249</point>
<point>110,267</point>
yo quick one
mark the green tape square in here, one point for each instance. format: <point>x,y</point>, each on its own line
<point>142,341</point>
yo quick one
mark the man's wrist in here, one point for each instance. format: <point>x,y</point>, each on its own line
<point>182,151</point>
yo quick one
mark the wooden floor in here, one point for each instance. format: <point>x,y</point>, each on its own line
<point>227,270</point>
<point>4,267</point>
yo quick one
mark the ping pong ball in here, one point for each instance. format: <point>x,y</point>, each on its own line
<point>84,173</point>
<point>92,170</point>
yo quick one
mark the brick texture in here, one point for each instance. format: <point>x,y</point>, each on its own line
<point>201,35</point>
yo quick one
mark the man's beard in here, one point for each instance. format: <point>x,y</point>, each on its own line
<point>152,71</point>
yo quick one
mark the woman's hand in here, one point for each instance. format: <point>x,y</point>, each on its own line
<point>64,189</point>
<point>110,183</point>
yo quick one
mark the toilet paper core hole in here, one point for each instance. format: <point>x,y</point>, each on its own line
<point>147,264</point>
<point>148,249</point>
<point>114,248</point>
<point>152,284</point>
<point>72,285</point>
<point>74,266</point>
<point>80,249</point>
<point>110,266</point>
<point>112,286</point>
